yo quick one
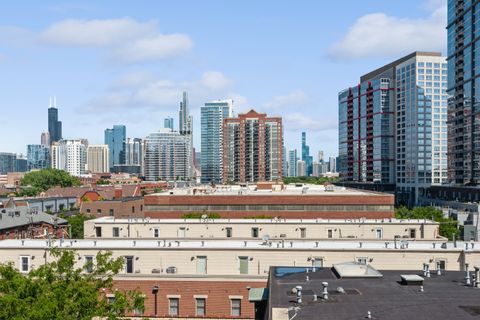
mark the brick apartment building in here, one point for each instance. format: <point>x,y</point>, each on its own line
<point>290,202</point>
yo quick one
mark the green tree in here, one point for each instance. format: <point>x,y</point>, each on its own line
<point>103,182</point>
<point>448,226</point>
<point>76,223</point>
<point>60,290</point>
<point>45,179</point>
<point>309,180</point>
<point>198,215</point>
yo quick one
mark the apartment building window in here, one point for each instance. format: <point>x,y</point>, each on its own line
<point>99,210</point>
<point>133,209</point>
<point>88,264</point>
<point>236,307</point>
<point>442,262</point>
<point>330,233</point>
<point>24,263</point>
<point>156,232</point>
<point>303,232</point>
<point>129,264</point>
<point>379,233</point>
<point>412,233</point>
<point>201,304</point>
<point>88,210</point>
<point>362,260</point>
<point>111,213</point>
<point>228,232</point>
<point>317,262</point>
<point>255,232</point>
<point>243,265</point>
<point>116,232</point>
<point>110,298</point>
<point>173,306</point>
<point>201,265</point>
<point>98,232</point>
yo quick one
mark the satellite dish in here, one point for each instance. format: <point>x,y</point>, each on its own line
<point>266,238</point>
<point>204,216</point>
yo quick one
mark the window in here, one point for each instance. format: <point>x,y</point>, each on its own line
<point>317,262</point>
<point>88,264</point>
<point>45,231</point>
<point>201,304</point>
<point>236,307</point>
<point>303,232</point>
<point>201,265</point>
<point>412,233</point>
<point>133,209</point>
<point>173,304</point>
<point>229,232</point>
<point>362,260</point>
<point>156,232</point>
<point>111,212</point>
<point>88,210</point>
<point>24,263</point>
<point>129,264</point>
<point>110,298</point>
<point>442,262</point>
<point>243,265</point>
<point>99,210</point>
<point>330,233</point>
<point>116,232</point>
<point>98,232</point>
<point>255,232</point>
<point>379,233</point>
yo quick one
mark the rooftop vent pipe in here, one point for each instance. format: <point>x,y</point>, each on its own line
<point>477,276</point>
<point>299,294</point>
<point>467,275</point>
<point>325,290</point>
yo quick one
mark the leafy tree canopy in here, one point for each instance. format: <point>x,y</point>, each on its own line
<point>61,291</point>
<point>45,179</point>
<point>198,215</point>
<point>103,182</point>
<point>76,223</point>
<point>309,180</point>
<point>448,226</point>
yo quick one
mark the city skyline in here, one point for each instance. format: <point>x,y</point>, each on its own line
<point>140,91</point>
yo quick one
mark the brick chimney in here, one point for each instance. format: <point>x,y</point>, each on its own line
<point>118,192</point>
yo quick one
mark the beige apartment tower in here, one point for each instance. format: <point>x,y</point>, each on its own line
<point>97,159</point>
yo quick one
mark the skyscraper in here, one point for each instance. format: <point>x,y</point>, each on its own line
<point>212,116</point>
<point>54,126</point>
<point>70,156</point>
<point>38,156</point>
<point>184,117</point>
<point>7,162</point>
<point>301,168</point>
<point>404,103</point>
<point>167,156</point>
<point>306,155</point>
<point>115,139</point>
<point>332,164</point>
<point>45,138</point>
<point>292,163</point>
<point>97,159</point>
<point>252,148</point>
<point>168,123</point>
<point>463,86</point>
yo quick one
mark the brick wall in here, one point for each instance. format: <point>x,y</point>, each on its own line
<point>121,208</point>
<point>216,293</point>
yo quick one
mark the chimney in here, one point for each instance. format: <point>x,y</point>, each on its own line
<point>118,192</point>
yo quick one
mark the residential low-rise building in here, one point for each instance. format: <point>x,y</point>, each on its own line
<point>29,223</point>
<point>290,201</point>
<point>147,228</point>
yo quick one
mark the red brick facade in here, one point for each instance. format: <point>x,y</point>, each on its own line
<point>35,231</point>
<point>216,293</point>
<point>121,208</point>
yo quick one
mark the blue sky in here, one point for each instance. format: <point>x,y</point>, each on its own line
<point>127,62</point>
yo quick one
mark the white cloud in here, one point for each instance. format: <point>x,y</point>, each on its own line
<point>215,80</point>
<point>301,121</point>
<point>144,91</point>
<point>126,39</point>
<point>380,35</point>
<point>293,99</point>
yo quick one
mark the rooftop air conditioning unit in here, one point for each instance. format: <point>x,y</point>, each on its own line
<point>172,270</point>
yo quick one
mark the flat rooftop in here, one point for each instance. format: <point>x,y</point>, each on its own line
<point>258,244</point>
<point>252,190</point>
<point>392,221</point>
<point>444,296</point>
